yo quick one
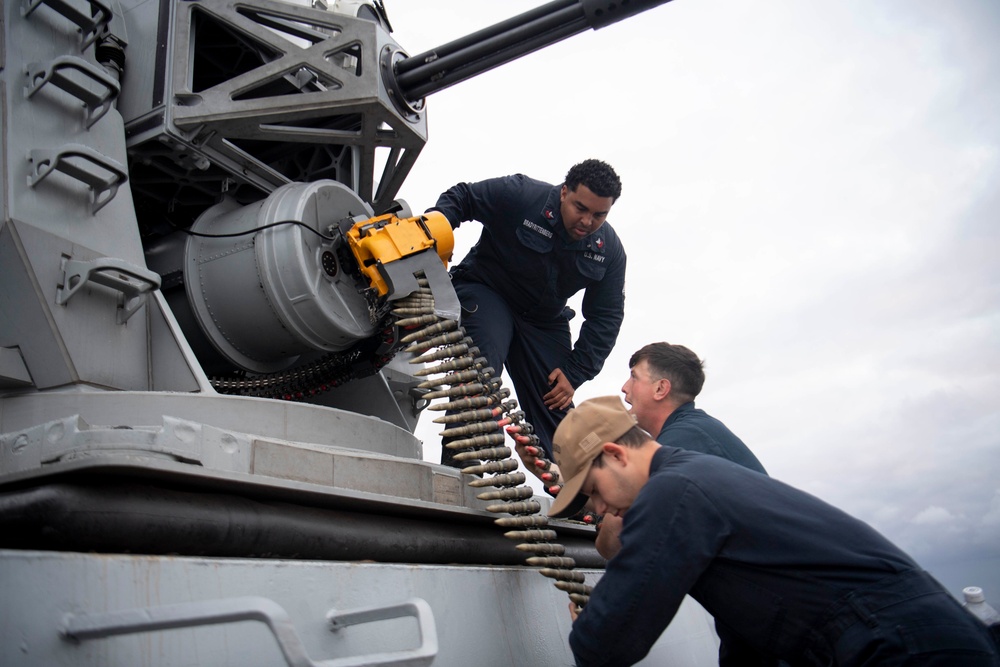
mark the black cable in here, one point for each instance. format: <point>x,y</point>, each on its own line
<point>257,229</point>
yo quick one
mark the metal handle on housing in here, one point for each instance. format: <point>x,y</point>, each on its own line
<point>82,627</point>
<point>102,174</point>
<point>132,281</point>
<point>96,102</point>
<point>415,657</point>
<point>91,23</point>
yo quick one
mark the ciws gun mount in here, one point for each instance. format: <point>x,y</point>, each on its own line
<point>208,292</point>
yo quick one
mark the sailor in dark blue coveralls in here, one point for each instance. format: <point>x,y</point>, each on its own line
<point>663,382</point>
<point>790,577</point>
<point>540,245</point>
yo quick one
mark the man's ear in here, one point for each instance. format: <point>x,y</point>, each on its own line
<point>615,452</point>
<point>663,387</point>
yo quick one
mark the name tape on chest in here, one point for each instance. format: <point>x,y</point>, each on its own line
<point>547,233</point>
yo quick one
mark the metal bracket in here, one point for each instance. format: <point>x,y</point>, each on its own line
<point>132,281</point>
<point>105,186</point>
<point>91,23</point>
<point>81,627</point>
<point>96,102</point>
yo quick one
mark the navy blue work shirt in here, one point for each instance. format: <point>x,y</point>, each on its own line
<point>692,429</point>
<point>525,255</point>
<point>762,557</point>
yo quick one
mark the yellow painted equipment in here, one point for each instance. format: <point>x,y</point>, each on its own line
<point>385,239</point>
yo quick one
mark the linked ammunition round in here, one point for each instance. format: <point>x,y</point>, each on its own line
<point>543,548</point>
<point>562,575</point>
<point>551,561</point>
<point>514,493</point>
<point>522,507</point>
<point>453,378</point>
<point>473,401</point>
<point>486,426</point>
<point>529,535</point>
<point>511,479</point>
<point>414,300</point>
<point>411,311</point>
<point>492,467</point>
<point>573,587</point>
<point>442,353</point>
<point>522,521</point>
<point>437,328</point>
<point>486,440</point>
<point>456,364</point>
<point>470,416</point>
<point>444,339</point>
<point>490,454</point>
<point>415,322</point>
<point>469,389</point>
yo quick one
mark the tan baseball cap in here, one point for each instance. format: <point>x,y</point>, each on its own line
<point>577,443</point>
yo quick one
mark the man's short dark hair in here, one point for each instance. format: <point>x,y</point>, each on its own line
<point>676,363</point>
<point>598,176</point>
<point>635,437</point>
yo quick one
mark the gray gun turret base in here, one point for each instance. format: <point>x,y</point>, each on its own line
<point>481,616</point>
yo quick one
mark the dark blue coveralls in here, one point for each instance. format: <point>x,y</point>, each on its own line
<point>788,576</point>
<point>514,284</point>
<point>695,430</point>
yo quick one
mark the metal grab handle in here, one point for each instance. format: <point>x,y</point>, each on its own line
<point>415,657</point>
<point>81,627</point>
<point>91,23</point>
<point>97,103</point>
<point>105,187</point>
<point>133,282</point>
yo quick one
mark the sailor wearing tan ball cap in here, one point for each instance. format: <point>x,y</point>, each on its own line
<point>786,576</point>
<point>579,442</point>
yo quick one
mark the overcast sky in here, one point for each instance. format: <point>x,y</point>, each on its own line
<point>811,203</point>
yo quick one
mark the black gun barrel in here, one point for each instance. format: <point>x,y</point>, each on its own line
<point>432,71</point>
